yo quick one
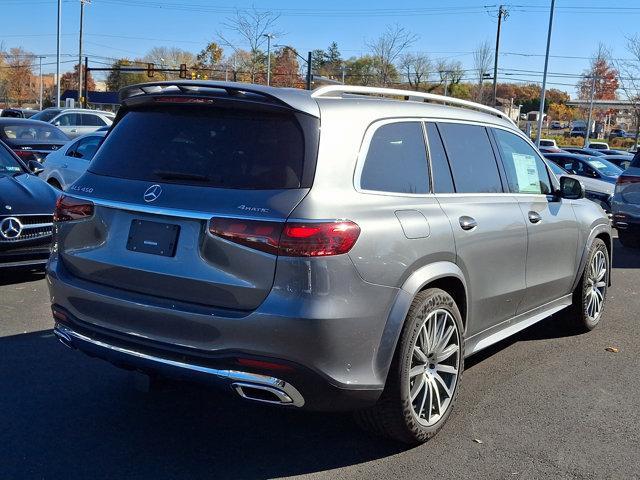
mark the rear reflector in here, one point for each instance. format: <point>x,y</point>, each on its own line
<point>290,239</point>
<point>262,365</point>
<point>69,208</point>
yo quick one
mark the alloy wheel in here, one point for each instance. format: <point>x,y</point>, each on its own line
<point>434,368</point>
<point>596,286</point>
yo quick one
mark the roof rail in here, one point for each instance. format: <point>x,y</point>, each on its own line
<point>338,91</point>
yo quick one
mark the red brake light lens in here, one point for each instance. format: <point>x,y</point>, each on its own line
<point>24,154</point>
<point>69,208</point>
<point>318,239</point>
<point>291,239</point>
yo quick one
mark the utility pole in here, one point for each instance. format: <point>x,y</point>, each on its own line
<point>58,54</point>
<point>343,69</point>
<point>544,76</point>
<point>309,59</point>
<point>86,82</point>
<point>593,92</point>
<point>269,37</point>
<point>41,86</point>
<point>502,13</point>
<point>82,2</point>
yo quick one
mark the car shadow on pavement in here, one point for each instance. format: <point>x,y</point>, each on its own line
<point>624,257</point>
<point>68,416</point>
<point>10,276</point>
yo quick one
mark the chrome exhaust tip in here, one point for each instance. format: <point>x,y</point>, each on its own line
<point>264,394</point>
<point>64,338</point>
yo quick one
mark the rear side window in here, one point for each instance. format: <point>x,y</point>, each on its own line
<point>205,146</point>
<point>90,120</point>
<point>471,157</point>
<point>396,160</point>
<point>526,171</point>
<point>442,181</point>
<point>87,148</point>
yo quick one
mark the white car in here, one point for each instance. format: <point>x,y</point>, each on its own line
<point>548,142</point>
<point>66,165</point>
<point>598,145</point>
<point>79,121</point>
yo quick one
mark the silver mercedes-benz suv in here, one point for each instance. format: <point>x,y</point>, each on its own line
<point>344,248</point>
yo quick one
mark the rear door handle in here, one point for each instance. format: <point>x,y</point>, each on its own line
<point>467,223</point>
<point>534,217</point>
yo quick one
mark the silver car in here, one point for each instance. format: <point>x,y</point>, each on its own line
<point>64,166</point>
<point>221,234</point>
<point>79,121</point>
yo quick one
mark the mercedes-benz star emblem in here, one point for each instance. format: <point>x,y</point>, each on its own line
<point>10,228</point>
<point>152,193</point>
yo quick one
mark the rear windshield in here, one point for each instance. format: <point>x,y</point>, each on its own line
<point>213,147</point>
<point>32,132</point>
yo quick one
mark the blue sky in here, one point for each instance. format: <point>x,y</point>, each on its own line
<point>447,28</point>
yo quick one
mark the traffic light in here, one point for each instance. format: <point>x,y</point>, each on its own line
<point>151,70</point>
<point>183,70</point>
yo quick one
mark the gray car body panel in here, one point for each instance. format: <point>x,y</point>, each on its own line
<point>339,316</point>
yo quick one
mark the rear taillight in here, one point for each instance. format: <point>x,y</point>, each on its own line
<point>291,239</point>
<point>625,180</point>
<point>69,208</point>
<point>24,154</point>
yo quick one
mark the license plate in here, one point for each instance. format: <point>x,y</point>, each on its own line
<point>153,237</point>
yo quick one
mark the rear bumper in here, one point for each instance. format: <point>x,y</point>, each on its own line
<point>292,386</point>
<point>331,337</point>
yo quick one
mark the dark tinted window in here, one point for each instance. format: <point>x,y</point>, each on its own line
<point>205,146</point>
<point>91,120</point>
<point>442,182</point>
<point>396,160</point>
<point>46,114</point>
<point>471,157</point>
<point>526,171</point>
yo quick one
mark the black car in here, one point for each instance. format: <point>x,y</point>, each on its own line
<point>585,151</point>
<point>621,161</point>
<point>31,139</point>
<point>18,113</point>
<point>26,213</point>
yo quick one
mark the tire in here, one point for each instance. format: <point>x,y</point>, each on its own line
<point>396,415</point>
<point>589,298</point>
<point>628,240</point>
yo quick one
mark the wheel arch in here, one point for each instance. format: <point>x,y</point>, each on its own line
<point>444,275</point>
<point>603,232</point>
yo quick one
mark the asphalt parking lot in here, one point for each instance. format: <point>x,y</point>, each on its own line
<point>545,404</point>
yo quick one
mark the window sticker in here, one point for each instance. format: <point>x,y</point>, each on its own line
<point>526,173</point>
<point>597,164</point>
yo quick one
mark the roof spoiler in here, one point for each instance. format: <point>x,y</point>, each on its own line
<point>284,97</point>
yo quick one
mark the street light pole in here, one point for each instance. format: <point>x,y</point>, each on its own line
<point>309,59</point>
<point>82,2</point>
<point>502,13</point>
<point>41,86</point>
<point>58,54</point>
<point>269,37</point>
<point>544,76</point>
<point>593,92</point>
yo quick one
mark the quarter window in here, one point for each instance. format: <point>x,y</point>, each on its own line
<point>471,157</point>
<point>396,160</point>
<point>526,171</point>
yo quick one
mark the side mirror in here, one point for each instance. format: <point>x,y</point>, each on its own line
<point>35,167</point>
<point>571,188</point>
<point>57,123</point>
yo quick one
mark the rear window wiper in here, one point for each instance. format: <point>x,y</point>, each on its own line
<point>173,175</point>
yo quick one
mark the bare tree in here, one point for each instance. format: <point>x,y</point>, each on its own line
<point>450,73</point>
<point>251,27</point>
<point>169,57</point>
<point>416,67</point>
<point>630,78</point>
<point>387,49</point>
<point>482,60</point>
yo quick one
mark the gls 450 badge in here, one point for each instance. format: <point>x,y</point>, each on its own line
<point>81,188</point>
